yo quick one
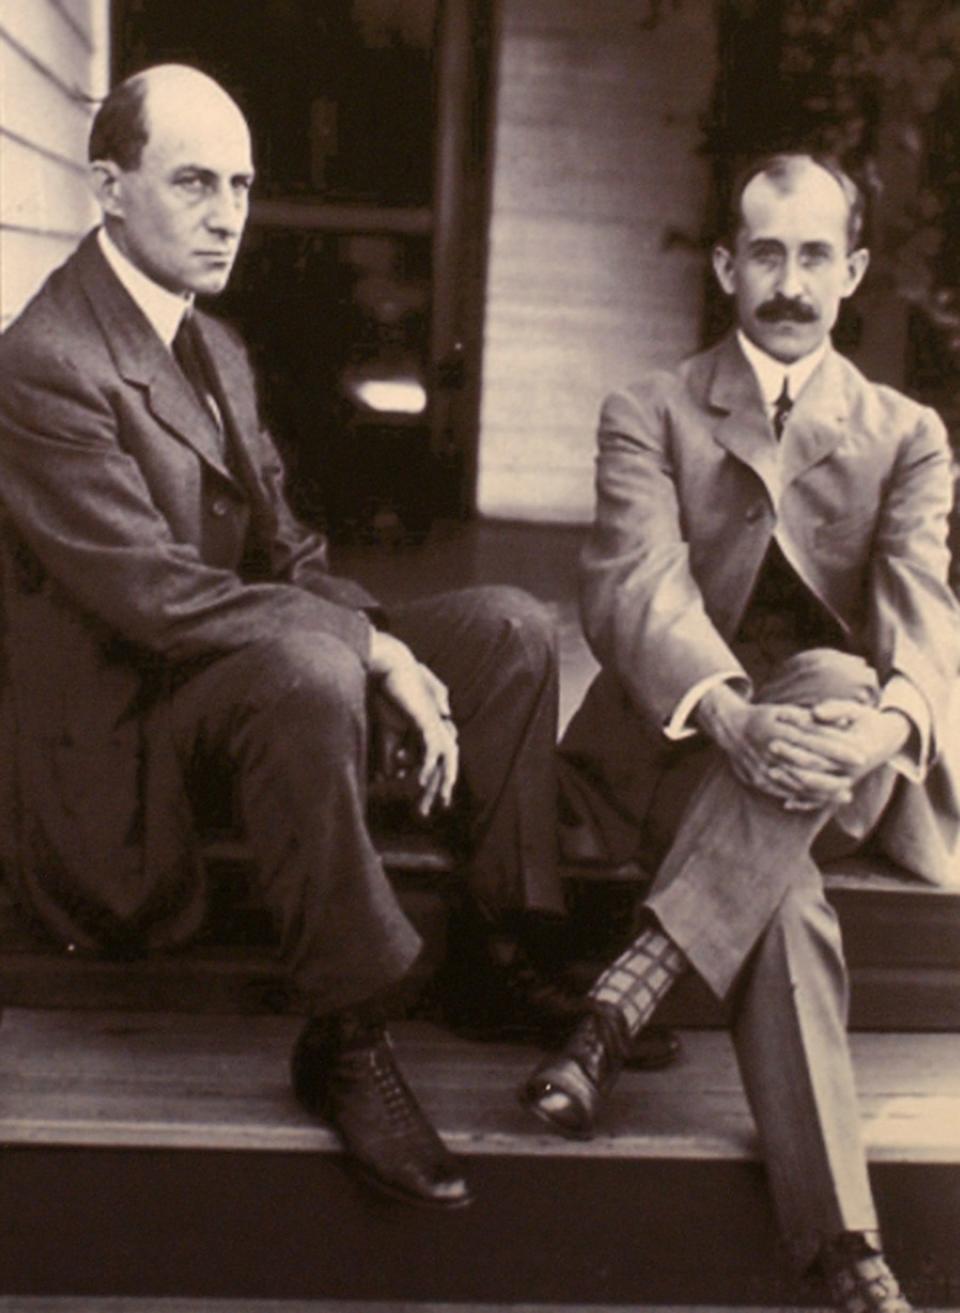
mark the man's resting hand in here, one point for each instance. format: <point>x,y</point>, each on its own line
<point>424,701</point>
<point>806,757</point>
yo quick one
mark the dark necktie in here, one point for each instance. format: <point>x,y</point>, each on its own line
<point>188,354</point>
<point>782,407</point>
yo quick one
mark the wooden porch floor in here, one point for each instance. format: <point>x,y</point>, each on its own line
<point>149,1154</point>
<point>158,1080</point>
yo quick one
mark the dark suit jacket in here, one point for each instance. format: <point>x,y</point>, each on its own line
<point>691,488</point>
<point>130,549</point>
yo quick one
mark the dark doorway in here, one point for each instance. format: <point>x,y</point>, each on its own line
<point>359,289</point>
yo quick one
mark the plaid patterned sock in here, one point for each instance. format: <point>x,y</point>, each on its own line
<point>636,982</point>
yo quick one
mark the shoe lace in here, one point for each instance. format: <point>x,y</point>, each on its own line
<point>401,1109</point>
<point>601,1042</point>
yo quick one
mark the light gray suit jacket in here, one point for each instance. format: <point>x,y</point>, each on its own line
<point>692,486</point>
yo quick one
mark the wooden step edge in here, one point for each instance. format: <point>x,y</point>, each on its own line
<point>115,1304</point>
<point>148,1081</point>
<point>106,1133</point>
<point>422,854</point>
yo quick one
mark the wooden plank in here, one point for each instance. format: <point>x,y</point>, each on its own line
<point>36,101</point>
<point>66,1304</point>
<point>882,999</point>
<point>154,1080</point>
<point>51,36</point>
<point>25,260</point>
<point>174,1207</point>
<point>905,966</point>
<point>582,290</point>
<point>40,191</point>
<point>94,1222</point>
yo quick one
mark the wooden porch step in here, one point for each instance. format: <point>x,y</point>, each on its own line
<point>902,940</point>
<point>67,1304</point>
<point>163,1155</point>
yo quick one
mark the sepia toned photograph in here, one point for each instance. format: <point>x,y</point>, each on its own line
<point>479,656</point>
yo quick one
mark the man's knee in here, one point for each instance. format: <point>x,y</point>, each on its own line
<point>820,673</point>
<point>310,678</point>
<point>524,624</point>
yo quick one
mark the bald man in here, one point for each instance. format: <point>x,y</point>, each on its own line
<point>167,619</point>
<point>766,590</point>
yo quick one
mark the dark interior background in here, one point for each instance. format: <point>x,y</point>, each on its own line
<point>338,279</point>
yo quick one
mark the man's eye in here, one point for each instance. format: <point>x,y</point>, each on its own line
<point>192,184</point>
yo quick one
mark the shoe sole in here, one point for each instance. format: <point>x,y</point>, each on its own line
<point>355,1168</point>
<point>393,1192</point>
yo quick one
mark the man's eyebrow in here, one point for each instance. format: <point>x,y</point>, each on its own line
<point>765,244</point>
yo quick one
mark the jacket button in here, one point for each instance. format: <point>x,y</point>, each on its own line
<point>219,507</point>
<point>754,513</point>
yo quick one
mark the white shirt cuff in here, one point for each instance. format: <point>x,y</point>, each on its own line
<point>678,726</point>
<point>900,694</point>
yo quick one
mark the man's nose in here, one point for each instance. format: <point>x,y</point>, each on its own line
<point>226,212</point>
<point>791,278</point>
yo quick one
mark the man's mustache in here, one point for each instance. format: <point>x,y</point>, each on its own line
<point>785,307</point>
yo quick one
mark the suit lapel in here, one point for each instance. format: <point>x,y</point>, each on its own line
<point>816,426</point>
<point>743,428</point>
<point>818,421</point>
<point>145,362</point>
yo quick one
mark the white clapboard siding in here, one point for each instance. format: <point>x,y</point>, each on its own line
<point>53,64</point>
<point>596,129</point>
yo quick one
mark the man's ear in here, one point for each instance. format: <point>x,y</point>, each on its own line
<point>723,267</point>
<point>107,184</point>
<point>857,262</point>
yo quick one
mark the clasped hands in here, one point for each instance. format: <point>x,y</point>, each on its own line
<point>805,757</point>
<point>413,703</point>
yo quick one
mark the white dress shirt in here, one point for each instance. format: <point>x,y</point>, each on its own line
<point>162,309</point>
<point>771,373</point>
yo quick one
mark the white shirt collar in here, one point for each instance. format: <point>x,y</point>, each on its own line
<point>163,309</point>
<point>770,372</point>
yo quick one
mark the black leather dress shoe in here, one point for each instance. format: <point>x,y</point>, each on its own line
<point>344,1071</point>
<point>527,1007</point>
<point>491,990</point>
<point>566,1091</point>
<point>859,1278</point>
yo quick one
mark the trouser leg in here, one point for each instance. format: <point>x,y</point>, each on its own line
<point>289,718</point>
<point>789,1030</point>
<point>495,649</point>
<point>736,851</point>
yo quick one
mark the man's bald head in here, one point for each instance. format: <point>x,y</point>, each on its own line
<point>172,169</point>
<point>786,172</point>
<point>121,127</point>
